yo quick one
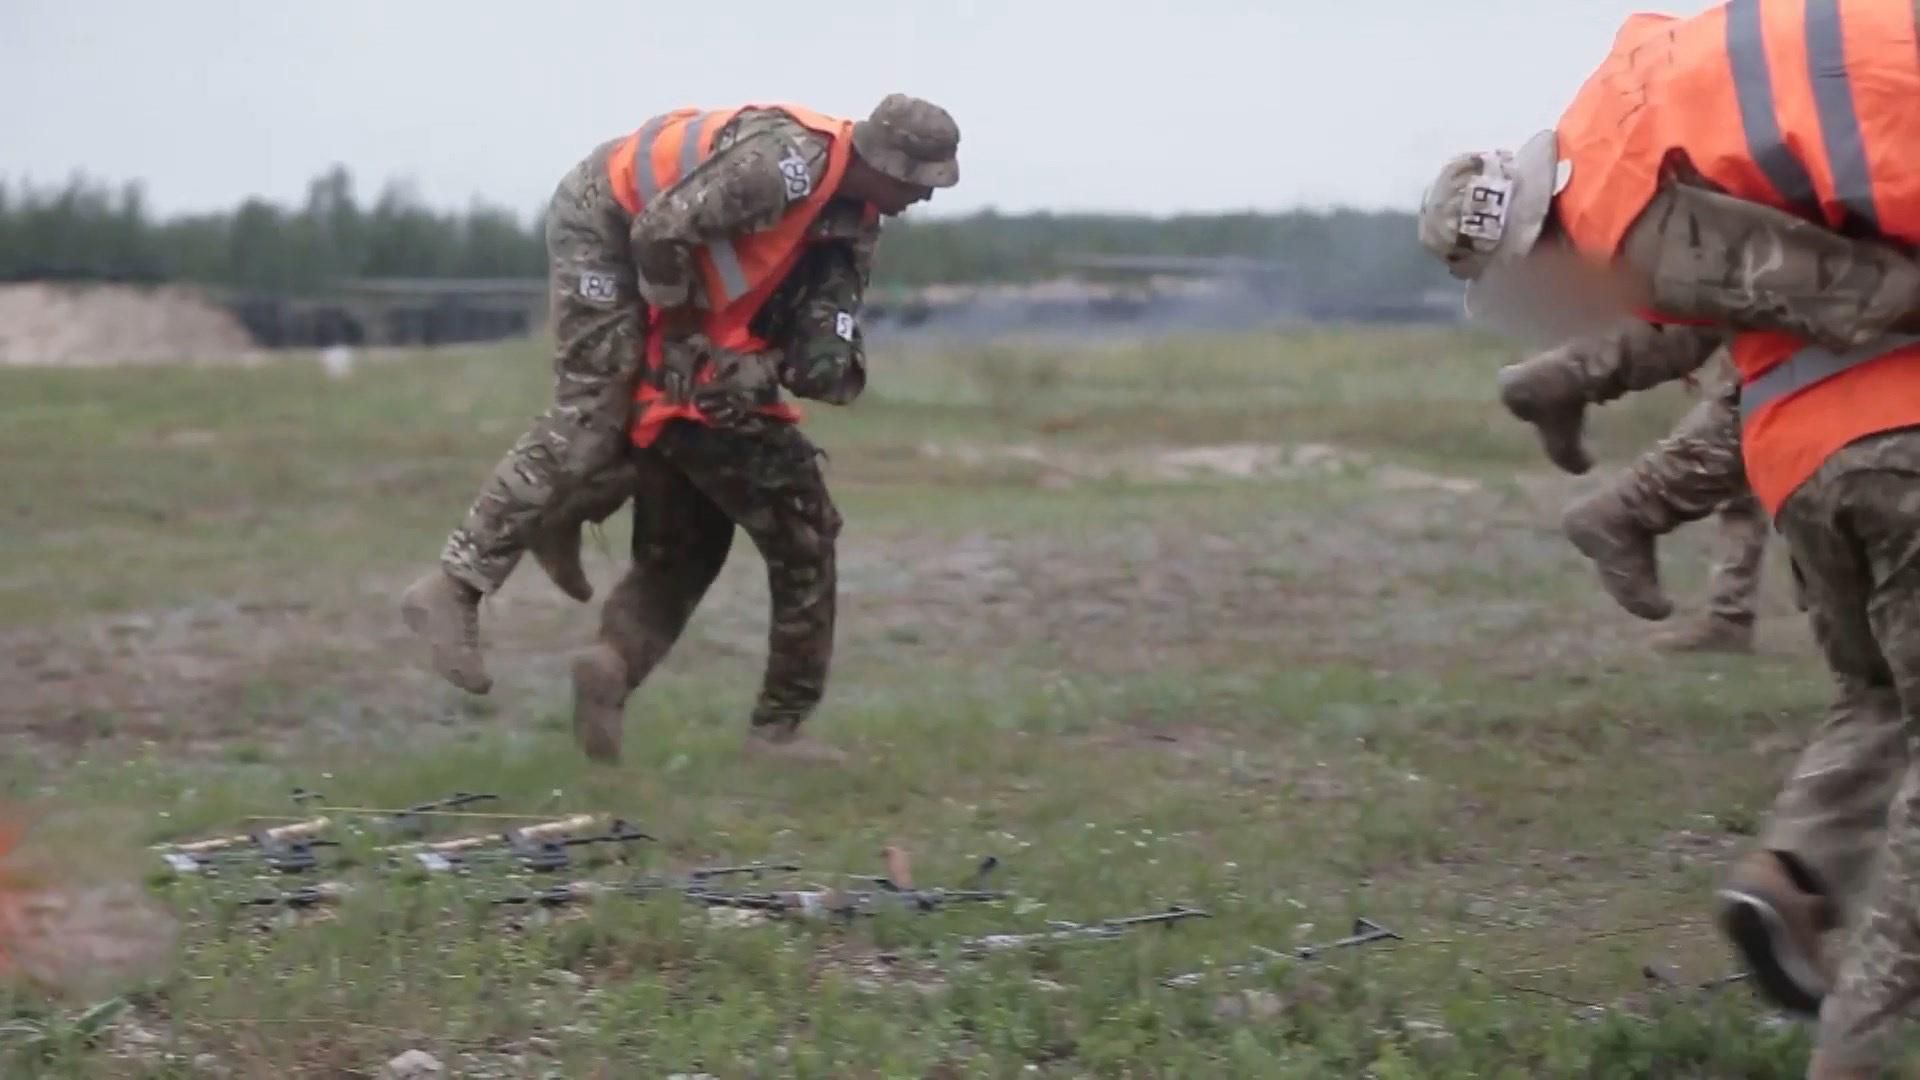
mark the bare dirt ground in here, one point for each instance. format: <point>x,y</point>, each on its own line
<point>1396,573</point>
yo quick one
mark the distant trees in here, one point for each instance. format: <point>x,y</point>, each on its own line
<point>88,230</point>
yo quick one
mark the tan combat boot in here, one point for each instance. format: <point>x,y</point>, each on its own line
<point>1709,633</point>
<point>1605,530</point>
<point>1778,927</point>
<point>445,611</point>
<point>1550,393</point>
<point>599,703</point>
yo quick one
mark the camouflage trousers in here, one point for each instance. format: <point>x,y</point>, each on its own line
<point>1850,809</point>
<point>692,487</point>
<point>597,319</point>
<point>1696,471</point>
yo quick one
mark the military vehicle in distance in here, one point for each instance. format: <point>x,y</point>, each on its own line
<point>394,312</point>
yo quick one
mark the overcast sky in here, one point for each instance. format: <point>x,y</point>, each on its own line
<point>1062,104</point>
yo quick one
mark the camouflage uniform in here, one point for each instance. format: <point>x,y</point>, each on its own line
<point>1695,471</point>
<point>605,269</point>
<point>1854,529</point>
<point>697,482</point>
<point>592,245</point>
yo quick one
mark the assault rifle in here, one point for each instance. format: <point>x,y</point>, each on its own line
<point>1064,933</point>
<point>698,880</point>
<point>412,821</point>
<point>284,848</point>
<point>895,892</point>
<point>543,848</point>
<point>1365,932</point>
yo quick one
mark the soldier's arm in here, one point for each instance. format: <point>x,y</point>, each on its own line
<point>738,189</point>
<point>825,358</point>
<point>1636,355</point>
<point>1708,256</point>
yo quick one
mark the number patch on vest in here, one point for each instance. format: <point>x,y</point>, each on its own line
<point>597,288</point>
<point>843,325</point>
<point>793,169</point>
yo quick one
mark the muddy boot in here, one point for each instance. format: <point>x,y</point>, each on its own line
<point>599,703</point>
<point>1709,634</point>
<point>445,611</point>
<point>1550,393</point>
<point>557,549</point>
<point>783,741</point>
<point>1605,530</point>
<point>1777,922</point>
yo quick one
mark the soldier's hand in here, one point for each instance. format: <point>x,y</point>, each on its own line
<point>723,406</point>
<point>680,360</point>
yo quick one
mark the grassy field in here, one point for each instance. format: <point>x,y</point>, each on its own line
<point>1281,627</point>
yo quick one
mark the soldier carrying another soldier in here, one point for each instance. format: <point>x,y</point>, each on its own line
<point>1751,169</point>
<point>665,245</point>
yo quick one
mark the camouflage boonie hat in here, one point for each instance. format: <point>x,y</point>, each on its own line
<point>911,140</point>
<point>1488,209</point>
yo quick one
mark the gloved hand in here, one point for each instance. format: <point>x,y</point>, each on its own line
<point>680,359</point>
<point>741,382</point>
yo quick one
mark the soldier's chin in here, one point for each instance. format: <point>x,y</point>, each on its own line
<point>1548,298</point>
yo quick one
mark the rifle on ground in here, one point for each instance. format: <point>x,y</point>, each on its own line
<point>323,894</point>
<point>696,881</point>
<point>412,820</point>
<point>1071,933</point>
<point>1365,932</point>
<point>285,848</point>
<point>543,848</point>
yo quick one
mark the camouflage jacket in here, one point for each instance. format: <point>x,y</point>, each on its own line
<point>739,188</point>
<point>1743,266</point>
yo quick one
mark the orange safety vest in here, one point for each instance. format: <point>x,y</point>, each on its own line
<point>1807,106</point>
<point>737,274</point>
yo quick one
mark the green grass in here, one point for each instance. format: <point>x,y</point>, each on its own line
<point>1290,701</point>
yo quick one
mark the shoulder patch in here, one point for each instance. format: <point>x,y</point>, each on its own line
<point>843,325</point>
<point>799,179</point>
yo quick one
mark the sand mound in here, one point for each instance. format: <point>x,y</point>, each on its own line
<point>44,324</point>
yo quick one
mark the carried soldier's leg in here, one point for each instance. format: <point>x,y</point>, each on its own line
<point>1727,625</point>
<point>680,543</point>
<point>597,318</point>
<point>1684,478</point>
<point>766,476</point>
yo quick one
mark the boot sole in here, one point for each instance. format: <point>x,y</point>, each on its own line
<point>599,710</point>
<point>1779,967</point>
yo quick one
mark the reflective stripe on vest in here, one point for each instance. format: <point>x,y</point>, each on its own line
<point>1759,116</point>
<point>1809,366</point>
<point>726,261</point>
<point>1839,123</point>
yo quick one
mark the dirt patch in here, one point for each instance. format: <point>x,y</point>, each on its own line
<point>63,325</point>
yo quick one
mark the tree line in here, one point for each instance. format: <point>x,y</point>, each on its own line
<point>86,230</point>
